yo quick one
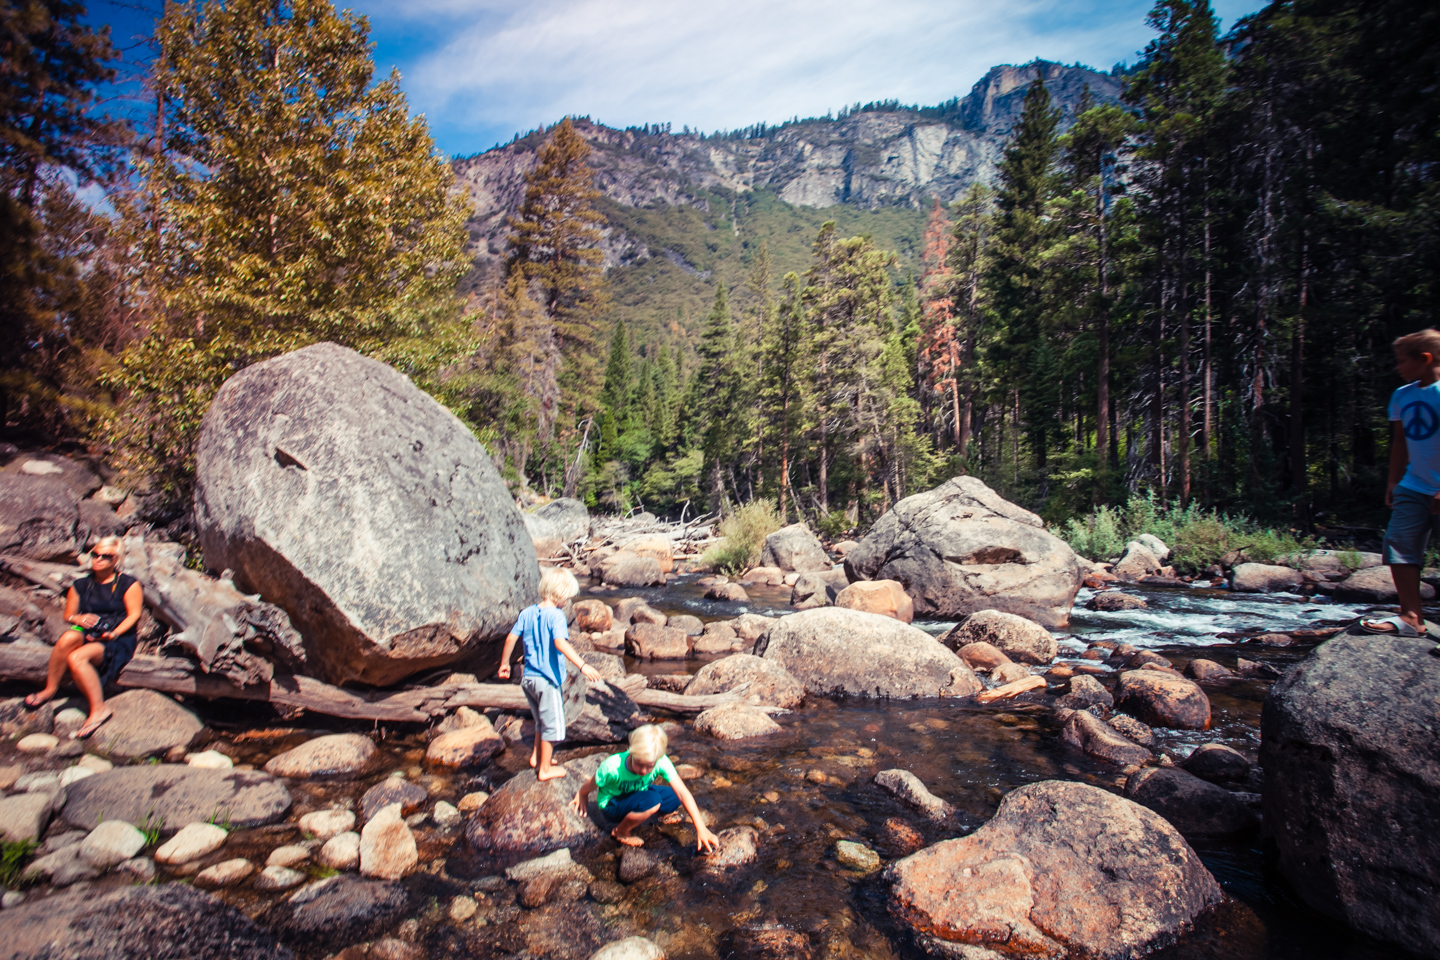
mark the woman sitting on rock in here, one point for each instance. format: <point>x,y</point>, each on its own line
<point>102,610</point>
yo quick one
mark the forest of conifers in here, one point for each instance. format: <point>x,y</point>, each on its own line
<point>1190,294</point>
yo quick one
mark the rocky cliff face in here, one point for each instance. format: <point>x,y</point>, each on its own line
<point>872,158</point>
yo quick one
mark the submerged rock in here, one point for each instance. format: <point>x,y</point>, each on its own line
<point>176,793</point>
<point>908,788</point>
<point>338,911</point>
<point>1062,870</point>
<point>1195,807</point>
<point>738,847</point>
<point>1163,699</point>
<point>1352,784</point>
<point>831,650</point>
<point>631,948</point>
<point>341,492</point>
<point>1216,762</point>
<point>961,548</point>
<point>1089,734</point>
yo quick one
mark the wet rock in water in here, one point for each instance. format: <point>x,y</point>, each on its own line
<point>1019,639</point>
<point>191,842</point>
<point>176,793</point>
<point>1163,700</point>
<point>980,655</point>
<point>625,569</point>
<point>899,838</point>
<point>1063,869</point>
<point>593,616</point>
<point>885,597</point>
<point>795,548</point>
<point>738,847</point>
<point>669,682</point>
<point>961,548</point>
<point>1140,658</point>
<point>324,824</point>
<point>526,816</point>
<point>1352,784</point>
<point>1254,668</point>
<point>387,847</point>
<point>1110,601</point>
<point>769,683</point>
<point>1374,585</point>
<point>24,817</point>
<point>172,921</point>
<point>636,863</point>
<point>471,746</point>
<point>1217,762</point>
<point>146,723</point>
<point>415,554</point>
<point>691,625</point>
<point>735,721</point>
<point>1208,671</point>
<point>647,641</point>
<point>1132,729</point>
<point>719,637</point>
<point>636,610</point>
<point>341,852</point>
<point>908,789</point>
<point>631,948</point>
<point>112,842</point>
<point>856,856</point>
<point>1264,578</point>
<point>830,650</point>
<point>275,879</point>
<point>38,517</point>
<point>1008,673</point>
<point>538,891</point>
<point>750,626</point>
<point>766,941</point>
<point>1087,693</point>
<point>818,589</point>
<point>333,755</point>
<point>559,864</point>
<point>1091,735</point>
<point>392,790</point>
<point>1195,807</point>
<point>607,891</point>
<point>731,592</point>
<point>472,801</point>
<point>338,911</point>
<point>1137,563</point>
<point>226,873</point>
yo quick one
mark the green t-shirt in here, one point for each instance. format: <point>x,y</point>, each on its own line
<point>614,778</point>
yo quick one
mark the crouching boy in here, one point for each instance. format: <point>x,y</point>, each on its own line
<point>628,794</point>
<point>546,637</point>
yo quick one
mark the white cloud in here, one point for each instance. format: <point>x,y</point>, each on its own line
<point>490,68</point>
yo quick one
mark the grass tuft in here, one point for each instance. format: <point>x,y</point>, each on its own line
<point>744,530</point>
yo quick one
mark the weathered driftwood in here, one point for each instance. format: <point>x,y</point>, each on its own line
<point>25,661</point>
<point>1009,690</point>
<point>55,577</point>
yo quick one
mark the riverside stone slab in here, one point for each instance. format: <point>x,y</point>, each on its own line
<point>527,816</point>
<point>176,794</point>
<point>1021,640</point>
<point>341,492</point>
<point>795,548</point>
<point>961,547</point>
<point>336,754</point>
<point>145,723</point>
<point>768,682</point>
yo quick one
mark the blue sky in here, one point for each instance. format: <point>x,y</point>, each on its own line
<point>483,70</point>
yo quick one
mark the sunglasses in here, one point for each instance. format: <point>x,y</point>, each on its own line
<point>104,556</point>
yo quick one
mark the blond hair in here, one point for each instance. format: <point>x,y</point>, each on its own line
<point>116,543</point>
<point>558,586</point>
<point>1421,341</point>
<point>648,743</point>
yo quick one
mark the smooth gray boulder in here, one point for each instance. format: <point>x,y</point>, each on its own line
<point>1374,585</point>
<point>81,480</point>
<point>1265,578</point>
<point>171,921</point>
<point>818,589</point>
<point>1352,784</point>
<point>1022,640</point>
<point>795,548</point>
<point>38,517</point>
<point>145,723</point>
<point>339,491</point>
<point>765,680</point>
<point>831,650</point>
<point>174,795</point>
<point>961,548</point>
<point>556,524</point>
<point>1062,870</point>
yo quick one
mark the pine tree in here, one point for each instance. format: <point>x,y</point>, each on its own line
<point>615,397</point>
<point>715,391</point>
<point>294,201</point>
<point>785,346</point>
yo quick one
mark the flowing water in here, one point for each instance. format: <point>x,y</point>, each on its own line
<point>809,786</point>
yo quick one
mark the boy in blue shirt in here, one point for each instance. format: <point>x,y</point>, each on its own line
<point>1413,491</point>
<point>546,636</point>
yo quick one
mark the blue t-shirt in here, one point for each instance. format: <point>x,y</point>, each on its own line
<point>537,628</point>
<point>1417,409</point>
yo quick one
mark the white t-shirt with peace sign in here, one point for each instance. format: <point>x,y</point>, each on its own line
<point>1417,409</point>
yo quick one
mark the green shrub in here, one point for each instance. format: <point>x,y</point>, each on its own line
<point>834,525</point>
<point>12,861</point>
<point>744,530</point>
<point>1097,536</point>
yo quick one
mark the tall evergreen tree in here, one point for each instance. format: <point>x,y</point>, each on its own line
<point>615,397</point>
<point>715,391</point>
<point>785,345</point>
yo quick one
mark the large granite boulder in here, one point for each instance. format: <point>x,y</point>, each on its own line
<point>527,816</point>
<point>556,524</point>
<point>795,548</point>
<point>337,911</point>
<point>1374,585</point>
<point>1064,870</point>
<point>1021,640</point>
<point>819,589</point>
<point>172,921</point>
<point>961,548</point>
<point>831,650</point>
<point>38,517</point>
<point>768,682</point>
<point>145,723</point>
<point>174,795</point>
<point>1352,784</point>
<point>339,491</point>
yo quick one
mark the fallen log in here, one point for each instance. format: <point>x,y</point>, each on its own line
<point>1009,690</point>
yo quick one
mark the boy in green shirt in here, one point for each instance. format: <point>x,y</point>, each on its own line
<point>628,794</point>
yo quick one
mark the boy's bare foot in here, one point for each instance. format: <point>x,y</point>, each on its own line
<point>555,772</point>
<point>629,840</point>
<point>532,758</point>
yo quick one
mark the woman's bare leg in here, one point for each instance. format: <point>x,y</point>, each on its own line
<point>66,644</point>
<point>82,664</point>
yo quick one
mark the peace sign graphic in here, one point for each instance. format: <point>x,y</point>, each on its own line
<point>1419,420</point>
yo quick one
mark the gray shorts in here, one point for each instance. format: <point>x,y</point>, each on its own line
<point>546,706</point>
<point>1411,524</point>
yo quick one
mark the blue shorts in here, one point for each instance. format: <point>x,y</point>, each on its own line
<point>660,795</point>
<point>1411,524</point>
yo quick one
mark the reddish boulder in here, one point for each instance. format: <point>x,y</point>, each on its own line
<point>885,597</point>
<point>1163,699</point>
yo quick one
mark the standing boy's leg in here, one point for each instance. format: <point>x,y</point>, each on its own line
<point>549,712</point>
<point>1406,539</point>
